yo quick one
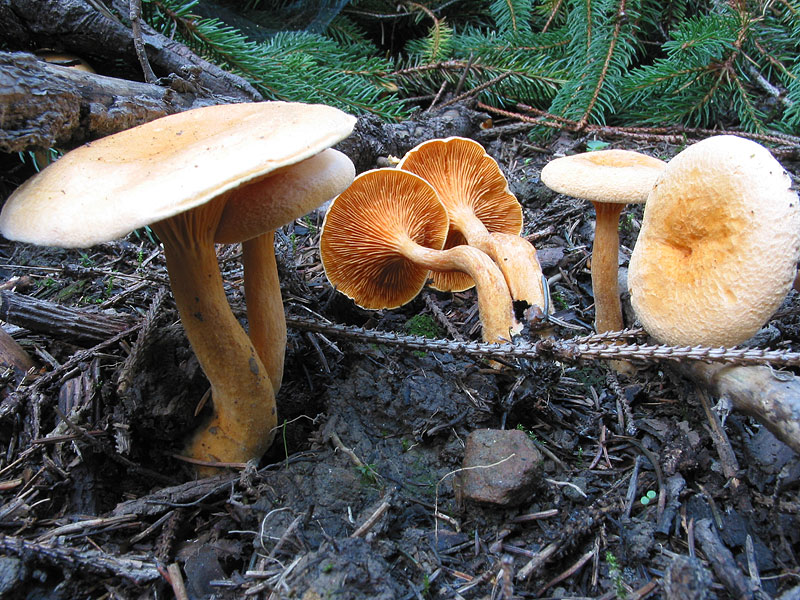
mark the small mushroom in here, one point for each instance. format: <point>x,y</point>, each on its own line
<point>610,179</point>
<point>384,234</point>
<point>483,213</point>
<point>176,174</point>
<point>719,244</point>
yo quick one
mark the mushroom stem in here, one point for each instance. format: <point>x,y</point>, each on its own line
<point>521,268</point>
<point>605,266</point>
<point>265,317</point>
<point>494,300</point>
<point>242,425</point>
<point>515,256</point>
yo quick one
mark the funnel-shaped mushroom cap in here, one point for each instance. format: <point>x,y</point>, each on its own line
<point>719,244</point>
<point>468,182</point>
<point>105,189</point>
<point>364,227</point>
<point>619,176</point>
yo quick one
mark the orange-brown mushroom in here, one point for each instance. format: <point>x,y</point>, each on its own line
<point>251,216</point>
<point>610,179</point>
<point>176,174</point>
<point>483,213</point>
<point>719,244</point>
<point>384,234</point>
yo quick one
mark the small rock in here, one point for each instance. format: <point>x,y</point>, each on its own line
<point>637,535</point>
<point>515,471</point>
<point>686,579</point>
<point>549,258</point>
<point>201,568</point>
<point>12,573</point>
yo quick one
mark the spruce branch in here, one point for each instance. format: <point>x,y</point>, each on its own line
<point>563,350</point>
<point>671,134</point>
<point>513,16</point>
<point>601,50</point>
<point>591,62</point>
<point>295,66</point>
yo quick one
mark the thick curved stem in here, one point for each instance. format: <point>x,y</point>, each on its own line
<point>520,265</point>
<point>605,267</point>
<point>494,299</point>
<point>265,316</point>
<point>515,256</point>
<point>242,425</point>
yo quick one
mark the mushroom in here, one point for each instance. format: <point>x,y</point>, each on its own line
<point>719,244</point>
<point>483,213</point>
<point>384,234</point>
<point>610,179</point>
<point>176,174</point>
<point>251,216</point>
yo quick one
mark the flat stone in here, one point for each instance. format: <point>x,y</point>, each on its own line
<point>12,573</point>
<point>500,467</point>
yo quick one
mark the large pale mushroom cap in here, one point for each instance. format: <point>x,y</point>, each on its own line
<point>105,189</point>
<point>618,176</point>
<point>466,178</point>
<point>364,227</point>
<point>718,247</point>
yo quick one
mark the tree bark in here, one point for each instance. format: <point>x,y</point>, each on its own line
<point>87,28</point>
<point>44,106</point>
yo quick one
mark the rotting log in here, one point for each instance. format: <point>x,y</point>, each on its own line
<point>44,105</point>
<point>48,106</point>
<point>104,37</point>
<point>64,111</point>
<point>771,397</point>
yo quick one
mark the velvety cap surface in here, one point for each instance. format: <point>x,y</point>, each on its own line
<point>105,189</point>
<point>363,229</point>
<point>718,247</point>
<point>618,176</point>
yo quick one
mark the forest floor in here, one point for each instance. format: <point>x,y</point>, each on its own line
<point>363,494</point>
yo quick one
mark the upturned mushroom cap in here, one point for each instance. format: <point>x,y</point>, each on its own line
<point>361,233</point>
<point>617,176</point>
<point>469,182</point>
<point>107,188</point>
<point>718,247</point>
<point>381,239</point>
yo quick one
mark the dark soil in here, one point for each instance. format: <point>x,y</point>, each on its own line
<point>373,434</point>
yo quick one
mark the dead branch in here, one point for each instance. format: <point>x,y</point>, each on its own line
<point>44,105</point>
<point>93,32</point>
<point>771,397</point>
<point>73,324</point>
<point>166,499</point>
<point>722,561</point>
<point>135,569</point>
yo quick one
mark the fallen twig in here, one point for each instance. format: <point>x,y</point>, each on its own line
<point>562,350</point>
<point>135,569</point>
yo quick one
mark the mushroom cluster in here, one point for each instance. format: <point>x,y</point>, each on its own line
<point>226,173</point>
<point>383,236</point>
<point>483,213</point>
<point>719,244</point>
